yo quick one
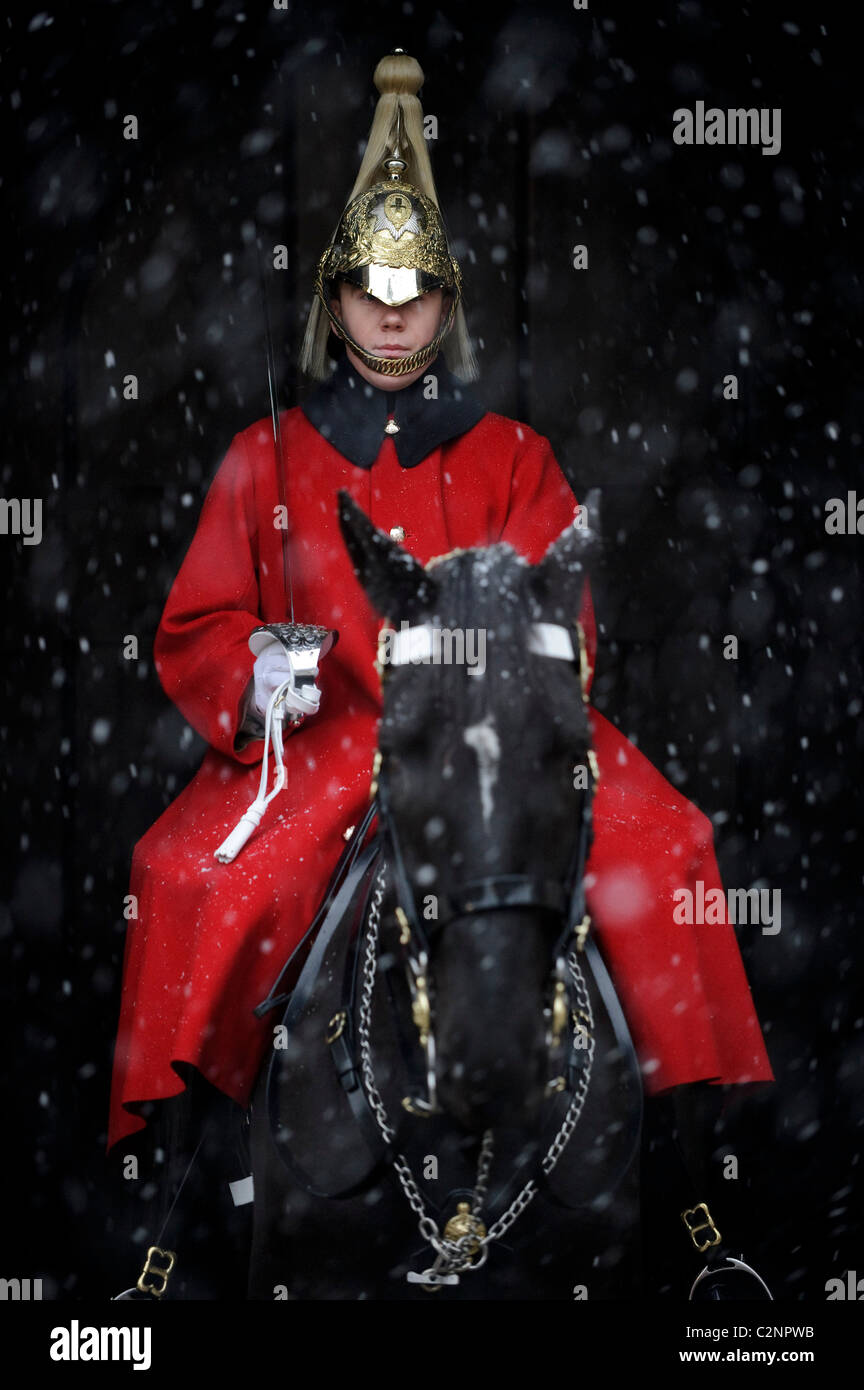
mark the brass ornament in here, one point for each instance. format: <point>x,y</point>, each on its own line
<point>464,1224</point>
<point>580,931</point>
<point>376,768</point>
<point>159,1272</point>
<point>409,1104</point>
<point>698,1219</point>
<point>404,928</point>
<point>392,224</point>
<point>336,1027</point>
<point>421,1010</point>
<point>584,666</point>
<point>559,1012</point>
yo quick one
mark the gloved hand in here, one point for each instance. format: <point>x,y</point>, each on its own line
<point>271,668</point>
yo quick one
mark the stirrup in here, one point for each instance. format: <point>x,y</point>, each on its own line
<point>732,1266</point>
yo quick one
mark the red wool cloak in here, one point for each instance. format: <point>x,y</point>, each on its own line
<point>210,938</point>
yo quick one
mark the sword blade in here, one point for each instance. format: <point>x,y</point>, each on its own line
<point>287,571</point>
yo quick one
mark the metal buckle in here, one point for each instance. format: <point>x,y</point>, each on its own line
<point>150,1267</point>
<point>698,1219</point>
<point>404,927</point>
<point>336,1027</point>
<point>584,667</point>
<point>418,1107</point>
<point>580,931</point>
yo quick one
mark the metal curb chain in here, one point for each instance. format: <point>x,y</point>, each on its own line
<point>463,1254</point>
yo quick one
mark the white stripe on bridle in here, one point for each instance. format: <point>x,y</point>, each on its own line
<point>551,639</point>
<point>418,644</point>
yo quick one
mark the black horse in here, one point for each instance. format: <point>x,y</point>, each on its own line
<point>456,1104</point>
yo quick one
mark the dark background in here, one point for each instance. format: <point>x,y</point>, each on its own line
<point>554,128</point>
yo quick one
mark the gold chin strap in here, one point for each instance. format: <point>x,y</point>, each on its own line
<point>390,366</point>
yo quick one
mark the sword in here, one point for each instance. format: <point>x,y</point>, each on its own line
<point>287,572</point>
<point>303,643</point>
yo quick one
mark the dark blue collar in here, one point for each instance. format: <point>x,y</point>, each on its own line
<point>351,414</point>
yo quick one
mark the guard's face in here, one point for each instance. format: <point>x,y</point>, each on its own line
<point>389,331</point>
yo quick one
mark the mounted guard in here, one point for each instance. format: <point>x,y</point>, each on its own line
<point>229,878</point>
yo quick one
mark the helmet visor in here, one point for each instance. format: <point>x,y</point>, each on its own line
<point>393,285</point>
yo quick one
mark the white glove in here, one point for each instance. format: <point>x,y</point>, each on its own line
<point>295,669</point>
<point>271,668</point>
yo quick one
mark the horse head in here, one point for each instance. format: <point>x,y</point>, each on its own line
<point>482,732</point>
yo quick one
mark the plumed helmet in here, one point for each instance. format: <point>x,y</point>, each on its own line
<point>391,239</point>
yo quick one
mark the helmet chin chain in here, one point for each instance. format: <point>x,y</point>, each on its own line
<point>464,1243</point>
<point>390,366</point>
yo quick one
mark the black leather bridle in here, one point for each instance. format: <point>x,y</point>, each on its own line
<point>565,900</point>
<point>492,892</point>
<point>489,893</point>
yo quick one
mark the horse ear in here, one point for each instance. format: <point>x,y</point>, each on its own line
<point>397,584</point>
<point>559,578</point>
